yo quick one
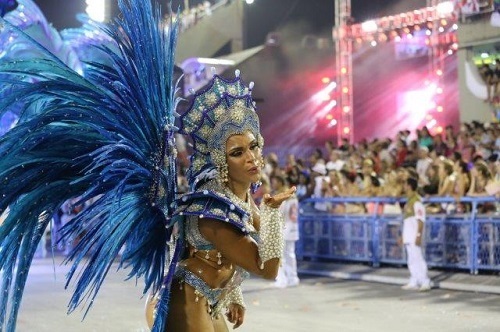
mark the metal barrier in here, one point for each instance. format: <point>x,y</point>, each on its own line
<point>451,240</point>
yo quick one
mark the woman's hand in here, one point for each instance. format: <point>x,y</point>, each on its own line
<point>276,200</point>
<point>235,314</point>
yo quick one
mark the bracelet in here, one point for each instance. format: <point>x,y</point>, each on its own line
<point>236,296</point>
<point>271,234</point>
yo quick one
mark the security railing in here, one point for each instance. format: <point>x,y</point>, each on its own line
<point>452,240</point>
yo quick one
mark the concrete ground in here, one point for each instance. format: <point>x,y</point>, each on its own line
<point>317,304</point>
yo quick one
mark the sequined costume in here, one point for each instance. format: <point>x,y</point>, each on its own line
<point>106,133</point>
<point>224,108</point>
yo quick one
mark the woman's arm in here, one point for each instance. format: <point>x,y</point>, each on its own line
<point>262,259</point>
<point>238,248</point>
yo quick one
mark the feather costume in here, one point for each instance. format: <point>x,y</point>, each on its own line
<point>28,18</point>
<point>108,136</point>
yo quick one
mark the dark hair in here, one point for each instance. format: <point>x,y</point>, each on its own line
<point>412,182</point>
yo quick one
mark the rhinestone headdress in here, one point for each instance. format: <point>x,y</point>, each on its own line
<point>224,108</point>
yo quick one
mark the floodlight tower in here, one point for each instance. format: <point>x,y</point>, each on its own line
<point>343,68</point>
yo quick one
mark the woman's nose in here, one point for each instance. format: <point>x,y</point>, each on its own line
<point>251,156</point>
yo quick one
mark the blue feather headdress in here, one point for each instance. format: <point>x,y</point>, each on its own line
<point>109,137</point>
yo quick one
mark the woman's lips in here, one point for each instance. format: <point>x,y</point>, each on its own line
<point>253,170</point>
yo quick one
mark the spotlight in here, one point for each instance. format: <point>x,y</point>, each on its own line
<point>369,26</point>
<point>96,9</point>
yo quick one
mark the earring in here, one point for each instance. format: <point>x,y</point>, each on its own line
<point>262,162</point>
<point>223,173</point>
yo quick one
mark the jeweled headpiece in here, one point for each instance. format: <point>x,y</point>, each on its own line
<point>223,109</point>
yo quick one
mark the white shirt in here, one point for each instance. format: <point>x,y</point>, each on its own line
<point>410,224</point>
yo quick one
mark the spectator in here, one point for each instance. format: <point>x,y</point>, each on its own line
<point>423,163</point>
<point>304,188</point>
<point>401,152</point>
<point>319,181</point>
<point>425,138</point>
<point>334,163</point>
<point>440,146</point>
<point>432,176</point>
<point>482,181</point>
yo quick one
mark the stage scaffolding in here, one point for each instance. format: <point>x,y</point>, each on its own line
<point>434,16</point>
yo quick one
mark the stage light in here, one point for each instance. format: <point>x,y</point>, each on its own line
<point>325,80</point>
<point>431,123</point>
<point>428,117</point>
<point>450,52</point>
<point>484,55</point>
<point>346,109</point>
<point>324,93</point>
<point>332,123</point>
<point>439,72</point>
<point>373,43</point>
<point>454,26</point>
<point>441,29</point>
<point>369,26</point>
<point>439,129</point>
<point>249,2</point>
<point>96,9</point>
<point>397,39</point>
<point>443,22</point>
<point>439,109</point>
<point>347,130</point>
<point>439,90</point>
<point>343,70</point>
<point>428,32</point>
<point>329,116</point>
<point>345,89</point>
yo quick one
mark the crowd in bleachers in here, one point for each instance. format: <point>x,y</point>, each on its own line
<point>459,162</point>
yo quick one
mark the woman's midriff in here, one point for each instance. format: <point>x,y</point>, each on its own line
<point>215,275</point>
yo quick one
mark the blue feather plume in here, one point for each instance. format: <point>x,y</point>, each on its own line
<point>108,136</point>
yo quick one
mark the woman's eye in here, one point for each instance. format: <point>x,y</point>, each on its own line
<point>235,154</point>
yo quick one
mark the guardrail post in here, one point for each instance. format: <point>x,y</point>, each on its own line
<point>375,237</point>
<point>474,240</point>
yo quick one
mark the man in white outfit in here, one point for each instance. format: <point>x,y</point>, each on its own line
<point>413,227</point>
<point>287,274</point>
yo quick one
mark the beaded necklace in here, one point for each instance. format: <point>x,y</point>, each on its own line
<point>241,203</point>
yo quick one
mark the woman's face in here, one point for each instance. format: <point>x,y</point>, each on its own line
<point>243,155</point>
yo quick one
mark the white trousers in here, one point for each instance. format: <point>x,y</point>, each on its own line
<point>416,265</point>
<point>287,273</point>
